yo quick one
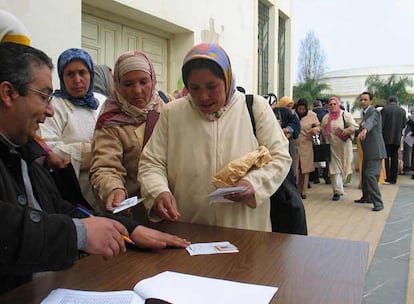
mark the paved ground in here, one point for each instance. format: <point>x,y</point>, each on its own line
<point>348,220</point>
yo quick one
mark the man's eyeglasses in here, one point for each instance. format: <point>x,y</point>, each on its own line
<point>47,98</point>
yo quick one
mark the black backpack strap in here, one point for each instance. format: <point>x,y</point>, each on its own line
<point>163,96</point>
<point>249,103</point>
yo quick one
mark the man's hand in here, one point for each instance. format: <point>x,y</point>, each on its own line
<point>104,236</point>
<point>165,206</point>
<point>363,134</point>
<point>149,238</point>
<point>287,133</point>
<point>114,199</point>
<point>55,161</point>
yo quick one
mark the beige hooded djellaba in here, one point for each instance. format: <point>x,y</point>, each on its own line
<point>186,150</point>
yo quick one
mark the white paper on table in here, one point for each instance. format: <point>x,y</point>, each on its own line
<point>218,195</point>
<point>211,248</point>
<point>127,203</point>
<point>182,288</point>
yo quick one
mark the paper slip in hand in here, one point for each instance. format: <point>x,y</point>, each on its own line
<point>218,195</point>
<point>211,248</point>
<point>127,203</point>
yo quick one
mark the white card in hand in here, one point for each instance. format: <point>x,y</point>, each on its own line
<point>218,195</point>
<point>127,203</point>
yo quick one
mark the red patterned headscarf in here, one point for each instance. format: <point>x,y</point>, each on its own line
<point>333,114</point>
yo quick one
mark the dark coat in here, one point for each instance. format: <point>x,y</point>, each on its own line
<point>373,146</point>
<point>394,120</point>
<point>32,240</point>
<point>320,112</point>
<point>288,119</point>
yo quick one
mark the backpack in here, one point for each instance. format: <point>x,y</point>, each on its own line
<point>287,213</point>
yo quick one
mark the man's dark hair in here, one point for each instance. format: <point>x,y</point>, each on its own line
<point>317,103</point>
<point>16,61</point>
<point>392,99</point>
<point>198,64</point>
<point>367,93</point>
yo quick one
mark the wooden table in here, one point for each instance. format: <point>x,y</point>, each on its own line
<point>306,269</point>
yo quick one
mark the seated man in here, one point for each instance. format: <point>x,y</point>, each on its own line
<point>41,231</point>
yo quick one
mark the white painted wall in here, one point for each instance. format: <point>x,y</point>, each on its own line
<point>55,25</point>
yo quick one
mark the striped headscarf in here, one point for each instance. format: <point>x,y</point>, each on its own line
<point>215,53</point>
<point>12,29</point>
<point>117,110</point>
<point>64,59</point>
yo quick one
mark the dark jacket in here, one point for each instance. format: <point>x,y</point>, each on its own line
<point>32,240</point>
<point>394,119</point>
<point>320,112</point>
<point>288,119</point>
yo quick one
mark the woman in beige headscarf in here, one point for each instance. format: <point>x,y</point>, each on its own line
<point>119,135</point>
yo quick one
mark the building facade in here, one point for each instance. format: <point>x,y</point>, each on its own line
<point>256,34</point>
<point>348,84</point>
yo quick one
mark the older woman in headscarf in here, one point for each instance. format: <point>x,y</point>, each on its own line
<point>69,132</point>
<point>338,127</point>
<point>119,135</point>
<point>198,135</point>
<point>309,127</point>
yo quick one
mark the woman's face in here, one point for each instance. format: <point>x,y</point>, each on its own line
<point>77,78</point>
<point>136,88</point>
<point>207,90</point>
<point>301,109</point>
<point>332,105</point>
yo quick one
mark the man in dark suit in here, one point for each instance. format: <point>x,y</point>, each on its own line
<point>394,119</point>
<point>373,147</point>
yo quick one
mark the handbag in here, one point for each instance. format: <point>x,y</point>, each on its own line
<point>287,212</point>
<point>338,131</point>
<point>321,152</point>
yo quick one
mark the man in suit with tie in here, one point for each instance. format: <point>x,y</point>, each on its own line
<point>394,119</point>
<point>373,147</point>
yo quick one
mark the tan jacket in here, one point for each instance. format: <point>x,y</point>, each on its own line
<point>115,155</point>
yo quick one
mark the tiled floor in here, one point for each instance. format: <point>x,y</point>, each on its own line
<point>389,257</point>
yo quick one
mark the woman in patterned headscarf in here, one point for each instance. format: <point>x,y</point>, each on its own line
<point>69,132</point>
<point>132,108</point>
<point>198,135</point>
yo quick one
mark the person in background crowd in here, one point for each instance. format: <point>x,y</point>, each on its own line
<point>372,142</point>
<point>119,135</point>
<point>309,127</point>
<point>320,111</point>
<point>394,119</point>
<point>288,103</point>
<point>339,123</point>
<point>69,132</point>
<point>103,81</point>
<point>200,134</point>
<point>41,231</point>
<point>410,132</point>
